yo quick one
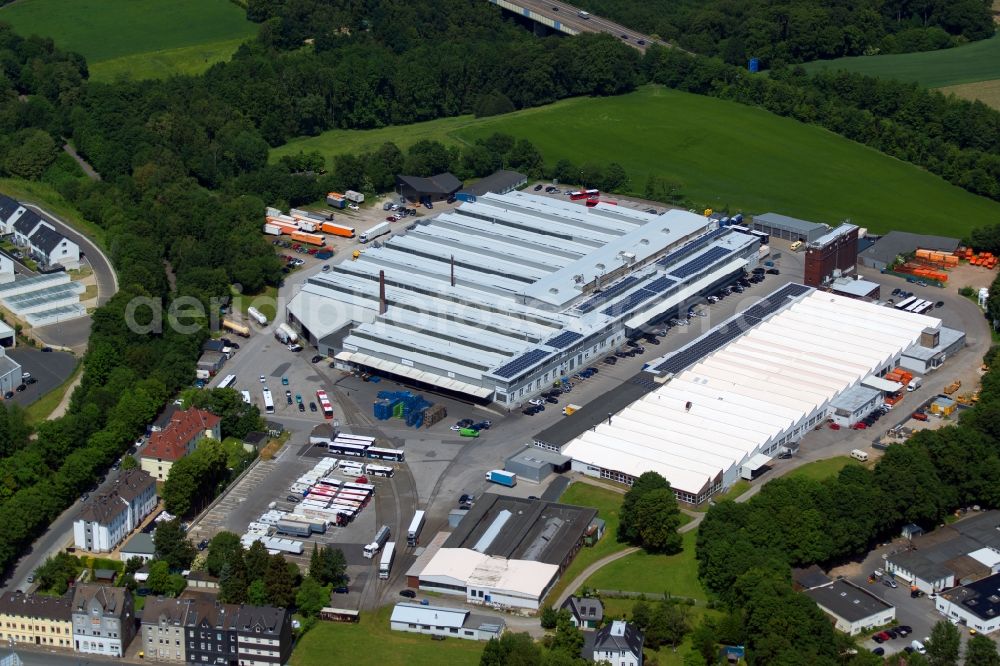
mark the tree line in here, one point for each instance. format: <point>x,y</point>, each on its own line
<point>745,550</point>
<point>793,31</point>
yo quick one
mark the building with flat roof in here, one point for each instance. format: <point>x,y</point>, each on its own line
<point>898,243</point>
<point>498,182</point>
<point>856,288</point>
<point>435,188</point>
<point>955,554</point>
<point>10,372</point>
<point>976,605</point>
<point>523,529</point>
<point>728,402</point>
<point>489,580</point>
<point>854,404</point>
<point>496,299</point>
<point>854,608</point>
<point>936,347</point>
<point>832,256</point>
<point>788,228</point>
<point>534,464</point>
<point>444,621</point>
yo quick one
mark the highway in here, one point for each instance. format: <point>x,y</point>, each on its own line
<point>569,16</point>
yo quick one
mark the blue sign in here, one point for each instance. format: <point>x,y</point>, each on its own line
<point>754,65</point>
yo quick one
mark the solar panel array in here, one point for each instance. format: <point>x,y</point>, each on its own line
<point>511,369</point>
<point>564,339</point>
<point>720,337</point>
<point>629,302</point>
<point>609,293</point>
<point>685,250</point>
<point>695,265</point>
<point>660,284</point>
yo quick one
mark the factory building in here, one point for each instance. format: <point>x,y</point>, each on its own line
<point>831,256</point>
<point>498,298</point>
<point>736,397</point>
<point>788,228</point>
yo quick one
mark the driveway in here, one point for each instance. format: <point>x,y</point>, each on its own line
<point>50,369</point>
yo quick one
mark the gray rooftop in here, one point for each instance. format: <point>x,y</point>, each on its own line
<point>848,601</point>
<point>528,529</point>
<point>8,207</point>
<point>895,243</point>
<point>810,577</point>
<point>946,338</point>
<point>942,552</point>
<point>854,398</point>
<point>585,608</point>
<point>27,222</point>
<point>793,224</point>
<point>498,181</point>
<point>570,427</point>
<point>532,456</point>
<point>140,544</point>
<point>981,598</point>
<point>860,288</point>
<point>442,183</point>
<point>828,238</point>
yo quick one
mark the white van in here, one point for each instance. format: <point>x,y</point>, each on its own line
<point>914,384</point>
<point>918,647</point>
<point>858,454</point>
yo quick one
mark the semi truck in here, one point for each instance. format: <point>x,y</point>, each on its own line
<point>413,533</point>
<point>385,564</point>
<point>237,328</point>
<point>381,538</point>
<point>258,317</point>
<point>380,229</point>
<point>311,239</point>
<point>293,528</point>
<point>356,197</point>
<point>508,479</point>
<point>285,334</point>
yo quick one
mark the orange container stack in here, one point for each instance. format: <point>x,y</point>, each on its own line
<point>937,259</point>
<point>984,259</point>
<point>922,271</point>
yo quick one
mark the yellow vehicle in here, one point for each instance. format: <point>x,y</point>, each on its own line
<point>951,388</point>
<point>795,246</point>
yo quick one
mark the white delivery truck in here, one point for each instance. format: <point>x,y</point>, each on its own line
<point>914,384</point>
<point>380,229</point>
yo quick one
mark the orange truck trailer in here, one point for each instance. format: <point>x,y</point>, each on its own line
<point>338,229</point>
<point>311,239</point>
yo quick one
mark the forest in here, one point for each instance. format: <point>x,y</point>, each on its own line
<point>794,31</point>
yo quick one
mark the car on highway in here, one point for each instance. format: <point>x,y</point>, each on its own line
<point>641,42</point>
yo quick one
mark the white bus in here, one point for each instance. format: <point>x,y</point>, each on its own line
<point>905,303</point>
<point>379,470</point>
<point>385,454</point>
<point>343,449</point>
<point>413,533</point>
<point>916,305</point>
<point>227,381</point>
<point>355,439</point>
<point>365,487</point>
<point>268,401</point>
<point>385,564</point>
<point>246,397</point>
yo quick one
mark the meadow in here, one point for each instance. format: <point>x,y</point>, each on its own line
<point>720,154</point>
<point>978,61</point>
<point>676,575</point>
<point>823,469</point>
<point>137,38</point>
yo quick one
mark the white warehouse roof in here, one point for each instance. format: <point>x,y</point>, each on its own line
<point>522,578</point>
<point>744,397</point>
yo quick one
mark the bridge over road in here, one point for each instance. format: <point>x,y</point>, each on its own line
<point>567,19</point>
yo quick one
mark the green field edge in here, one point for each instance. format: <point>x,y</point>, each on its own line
<point>42,409</point>
<point>176,62</point>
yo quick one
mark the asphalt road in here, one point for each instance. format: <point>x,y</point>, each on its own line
<point>50,369</point>
<point>52,658</point>
<point>569,16</point>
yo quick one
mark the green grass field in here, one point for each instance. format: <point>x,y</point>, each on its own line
<point>137,38</point>
<point>723,154</point>
<point>653,574</point>
<point>336,643</point>
<point>979,61</point>
<point>608,504</point>
<point>823,469</point>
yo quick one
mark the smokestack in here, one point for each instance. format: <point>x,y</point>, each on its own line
<point>381,292</point>
<point>453,270</point>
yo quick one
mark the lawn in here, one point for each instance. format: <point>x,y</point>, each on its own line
<point>979,61</point>
<point>338,643</point>
<point>823,469</point>
<point>264,301</point>
<point>138,38</point>
<point>608,503</point>
<point>653,574</point>
<point>722,154</point>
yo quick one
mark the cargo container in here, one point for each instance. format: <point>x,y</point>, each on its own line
<point>413,533</point>
<point>380,229</point>
<point>317,526</point>
<point>286,227</point>
<point>338,229</point>
<point>508,479</point>
<point>311,239</point>
<point>356,197</point>
<point>385,564</point>
<point>272,212</point>
<point>309,226</point>
<point>239,329</point>
<point>310,215</point>
<point>257,315</point>
<point>272,229</point>
<point>336,200</point>
<point>293,528</point>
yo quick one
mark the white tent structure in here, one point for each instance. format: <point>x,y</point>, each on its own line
<point>730,412</point>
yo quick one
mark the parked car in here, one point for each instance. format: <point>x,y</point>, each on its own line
<point>293,499</point>
<point>904,630</point>
<point>21,387</point>
<point>46,349</point>
<point>538,187</point>
<point>920,416</point>
<point>25,375</point>
<point>889,582</point>
<point>284,381</point>
<point>773,271</point>
<point>343,589</point>
<point>409,594</point>
<point>879,651</point>
<point>611,360</point>
<point>262,379</point>
<point>316,359</point>
<point>312,406</point>
<point>203,544</point>
<point>535,401</point>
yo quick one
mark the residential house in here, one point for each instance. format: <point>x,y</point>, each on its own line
<point>853,608</point>
<point>24,226</point>
<point>10,211</point>
<point>210,633</point>
<point>103,620</point>
<point>619,644</point>
<point>106,519</point>
<point>49,247</point>
<point>36,620</point>
<point>177,439</point>
<point>445,621</point>
<point>163,627</point>
<point>140,545</point>
<point>584,612</point>
<point>263,635</point>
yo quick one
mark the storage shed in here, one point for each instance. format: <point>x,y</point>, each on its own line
<point>535,464</point>
<point>498,182</point>
<point>788,228</point>
<point>435,188</point>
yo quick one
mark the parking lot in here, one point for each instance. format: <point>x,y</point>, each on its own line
<point>49,369</point>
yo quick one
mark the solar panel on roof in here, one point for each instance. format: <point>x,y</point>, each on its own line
<point>512,368</point>
<point>607,294</point>
<point>564,339</point>
<point>697,264</point>
<point>720,337</point>
<point>629,302</point>
<point>687,249</point>
<point>660,284</point>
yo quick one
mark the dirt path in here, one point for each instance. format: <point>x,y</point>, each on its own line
<point>64,403</point>
<point>87,169</point>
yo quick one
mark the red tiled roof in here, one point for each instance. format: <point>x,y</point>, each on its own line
<point>171,442</point>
